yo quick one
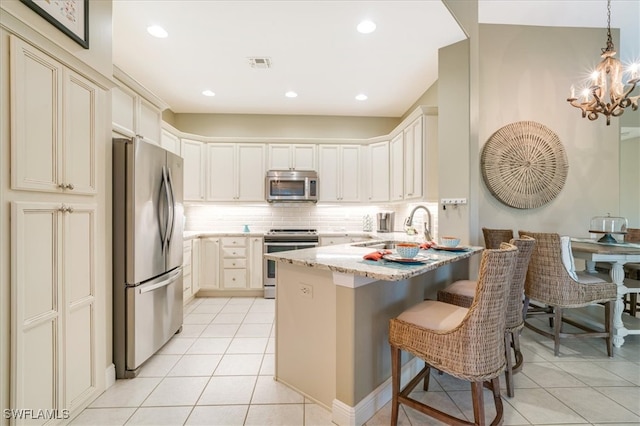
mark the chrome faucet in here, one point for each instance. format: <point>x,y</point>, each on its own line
<point>427,230</point>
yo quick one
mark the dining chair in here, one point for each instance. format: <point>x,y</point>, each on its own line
<point>494,237</point>
<point>467,343</point>
<point>552,281</point>
<point>462,292</point>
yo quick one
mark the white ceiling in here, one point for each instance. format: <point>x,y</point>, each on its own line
<point>316,51</point>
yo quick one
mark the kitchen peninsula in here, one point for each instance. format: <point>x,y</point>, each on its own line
<point>332,314</point>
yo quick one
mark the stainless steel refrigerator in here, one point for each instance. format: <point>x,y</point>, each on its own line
<point>147,251</point>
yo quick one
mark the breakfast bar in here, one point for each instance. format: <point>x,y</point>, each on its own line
<point>332,314</point>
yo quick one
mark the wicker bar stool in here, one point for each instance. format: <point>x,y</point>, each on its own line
<point>462,292</point>
<point>494,237</point>
<point>548,282</point>
<point>467,343</point>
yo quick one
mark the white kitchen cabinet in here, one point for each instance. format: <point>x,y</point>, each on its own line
<point>378,181</point>
<point>133,115</point>
<point>170,142</point>
<point>340,239</point>
<point>195,266</point>
<point>413,159</point>
<point>209,263</point>
<point>187,272</point>
<point>55,124</point>
<point>339,169</point>
<point>396,167</point>
<point>193,153</point>
<point>235,172</point>
<point>256,262</point>
<point>292,157</point>
<point>53,286</point>
<point>234,262</point>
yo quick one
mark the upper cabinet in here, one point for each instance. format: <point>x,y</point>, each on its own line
<point>378,181</point>
<point>339,172</point>
<point>55,124</point>
<point>134,114</point>
<point>396,167</point>
<point>235,172</point>
<point>292,157</point>
<point>413,159</point>
<point>193,153</point>
<point>170,142</point>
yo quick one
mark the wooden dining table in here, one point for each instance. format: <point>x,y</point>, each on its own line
<point>616,254</point>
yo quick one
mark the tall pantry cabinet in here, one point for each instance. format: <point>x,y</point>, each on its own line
<point>58,129</point>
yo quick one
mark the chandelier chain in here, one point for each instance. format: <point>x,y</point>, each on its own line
<point>610,46</point>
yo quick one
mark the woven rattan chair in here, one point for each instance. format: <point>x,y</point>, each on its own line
<point>462,292</point>
<point>494,237</point>
<point>467,343</point>
<point>549,282</point>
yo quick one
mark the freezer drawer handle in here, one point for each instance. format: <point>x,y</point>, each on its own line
<point>160,284</point>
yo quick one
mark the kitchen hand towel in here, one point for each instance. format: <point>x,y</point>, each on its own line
<point>427,245</point>
<point>376,255</point>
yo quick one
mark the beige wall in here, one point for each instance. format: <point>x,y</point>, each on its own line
<point>630,181</point>
<point>284,126</point>
<point>525,74</point>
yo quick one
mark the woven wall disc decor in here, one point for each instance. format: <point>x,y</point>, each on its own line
<point>524,165</point>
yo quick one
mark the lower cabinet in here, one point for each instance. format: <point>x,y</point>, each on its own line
<point>230,265</point>
<point>54,329</point>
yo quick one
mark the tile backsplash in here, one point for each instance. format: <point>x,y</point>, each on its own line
<point>324,218</point>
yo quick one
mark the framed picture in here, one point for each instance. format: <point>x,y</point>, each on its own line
<point>69,16</point>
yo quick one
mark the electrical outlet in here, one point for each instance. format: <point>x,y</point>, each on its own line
<point>453,201</point>
<point>306,290</point>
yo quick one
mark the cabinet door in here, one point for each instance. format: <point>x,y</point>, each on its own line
<point>195,266</point>
<point>221,172</point>
<point>303,157</point>
<point>78,278</point>
<point>149,121</point>
<point>329,172</point>
<point>256,262</point>
<point>36,133</point>
<point>279,157</point>
<point>209,263</point>
<point>396,173</point>
<point>413,159</point>
<point>170,142</point>
<point>194,168</point>
<point>82,105</point>
<point>350,173</point>
<point>37,306</point>
<point>123,111</point>
<point>379,171</point>
<point>250,172</point>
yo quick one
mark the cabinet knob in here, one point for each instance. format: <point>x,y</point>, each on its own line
<point>70,186</point>
<point>233,279</point>
<point>234,264</point>
<point>62,185</point>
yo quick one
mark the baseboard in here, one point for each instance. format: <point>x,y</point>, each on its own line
<point>110,376</point>
<point>345,415</point>
<point>229,293</point>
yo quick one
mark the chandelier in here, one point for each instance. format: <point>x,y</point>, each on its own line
<point>605,93</point>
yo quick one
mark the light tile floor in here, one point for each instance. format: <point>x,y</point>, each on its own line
<point>219,371</point>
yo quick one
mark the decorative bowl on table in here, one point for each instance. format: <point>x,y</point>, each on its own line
<point>449,241</point>
<point>407,250</point>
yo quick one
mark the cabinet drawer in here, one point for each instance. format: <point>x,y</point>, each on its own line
<point>234,241</point>
<point>235,263</point>
<point>235,278</point>
<point>234,252</point>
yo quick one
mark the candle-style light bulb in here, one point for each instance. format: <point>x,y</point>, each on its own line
<point>573,92</point>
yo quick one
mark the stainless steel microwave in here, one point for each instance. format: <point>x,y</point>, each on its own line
<point>292,186</point>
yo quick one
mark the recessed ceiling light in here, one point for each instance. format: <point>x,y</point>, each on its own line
<point>208,93</point>
<point>291,94</point>
<point>366,27</point>
<point>362,97</point>
<point>157,31</point>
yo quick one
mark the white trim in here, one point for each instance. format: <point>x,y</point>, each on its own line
<point>351,280</point>
<point>345,415</point>
<point>110,376</point>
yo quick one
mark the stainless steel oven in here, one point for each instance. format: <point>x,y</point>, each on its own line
<point>279,240</point>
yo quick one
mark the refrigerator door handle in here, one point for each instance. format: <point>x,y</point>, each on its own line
<point>171,204</point>
<point>163,283</point>
<point>165,230</point>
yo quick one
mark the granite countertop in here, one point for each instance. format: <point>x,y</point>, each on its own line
<point>348,259</point>
<point>189,235</point>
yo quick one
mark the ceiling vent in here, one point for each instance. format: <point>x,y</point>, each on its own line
<point>260,63</point>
